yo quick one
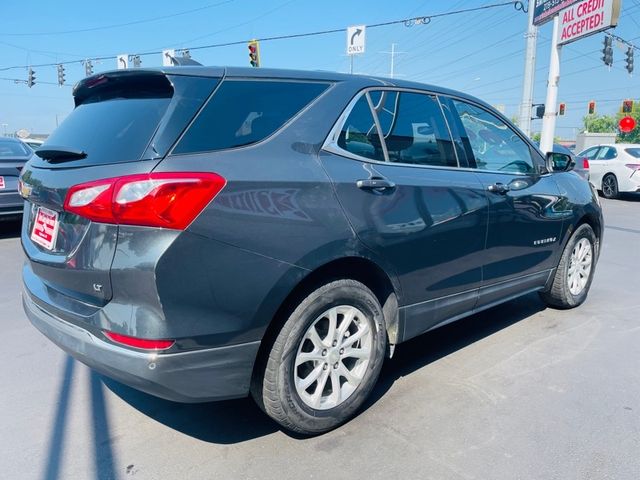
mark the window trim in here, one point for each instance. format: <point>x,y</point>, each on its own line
<point>331,142</point>
<point>330,85</point>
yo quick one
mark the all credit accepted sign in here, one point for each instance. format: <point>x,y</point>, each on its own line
<point>586,18</point>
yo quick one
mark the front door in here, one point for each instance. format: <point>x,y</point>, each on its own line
<point>525,211</point>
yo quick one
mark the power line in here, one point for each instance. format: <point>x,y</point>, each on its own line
<point>118,25</point>
<point>422,20</point>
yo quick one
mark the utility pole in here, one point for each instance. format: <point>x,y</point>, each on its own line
<point>549,119</point>
<point>393,54</point>
<point>524,122</point>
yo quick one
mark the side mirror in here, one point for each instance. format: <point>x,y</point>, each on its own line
<point>559,162</point>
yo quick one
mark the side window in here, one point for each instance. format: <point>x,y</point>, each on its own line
<point>494,144</point>
<point>414,128</point>
<point>359,134</point>
<point>607,153</point>
<point>245,112</point>
<point>590,153</point>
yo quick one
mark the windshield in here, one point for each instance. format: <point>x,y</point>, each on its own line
<point>10,149</point>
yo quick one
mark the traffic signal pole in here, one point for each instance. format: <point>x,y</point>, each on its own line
<point>524,122</point>
<point>549,119</point>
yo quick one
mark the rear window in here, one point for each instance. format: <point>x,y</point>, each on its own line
<point>10,149</point>
<point>114,126</point>
<point>245,112</point>
<point>634,152</point>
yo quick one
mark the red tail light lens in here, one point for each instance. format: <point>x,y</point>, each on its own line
<point>169,200</point>
<point>633,166</point>
<point>136,342</point>
<point>585,163</point>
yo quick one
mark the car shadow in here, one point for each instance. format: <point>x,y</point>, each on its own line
<point>235,421</point>
<point>630,197</point>
<point>10,228</point>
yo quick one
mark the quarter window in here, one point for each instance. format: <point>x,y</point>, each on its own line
<point>495,145</point>
<point>590,153</point>
<point>607,153</point>
<point>245,112</point>
<point>414,128</point>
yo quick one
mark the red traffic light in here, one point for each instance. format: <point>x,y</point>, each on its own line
<point>252,48</point>
<point>592,107</point>
<point>627,124</point>
<point>561,109</point>
<point>627,106</point>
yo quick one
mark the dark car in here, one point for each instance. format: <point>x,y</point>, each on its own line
<point>13,155</point>
<point>204,233</point>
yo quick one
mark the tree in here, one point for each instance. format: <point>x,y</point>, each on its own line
<point>599,124</point>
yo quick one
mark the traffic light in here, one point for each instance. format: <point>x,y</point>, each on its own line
<point>88,68</point>
<point>627,106</point>
<point>136,61</point>
<point>254,53</point>
<point>60,74</point>
<point>592,107</point>
<point>31,78</point>
<point>539,110</point>
<point>607,51</point>
<point>561,109</point>
<point>629,65</point>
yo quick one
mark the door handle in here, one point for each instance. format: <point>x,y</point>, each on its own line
<point>375,184</point>
<point>499,188</point>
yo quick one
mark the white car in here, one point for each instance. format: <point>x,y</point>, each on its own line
<point>614,169</point>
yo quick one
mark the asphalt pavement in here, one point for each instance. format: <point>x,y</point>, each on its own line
<point>517,392</point>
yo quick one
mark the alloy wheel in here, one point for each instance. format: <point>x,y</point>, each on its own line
<point>333,357</point>
<point>580,266</point>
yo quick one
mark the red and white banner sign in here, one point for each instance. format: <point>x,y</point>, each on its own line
<point>586,18</point>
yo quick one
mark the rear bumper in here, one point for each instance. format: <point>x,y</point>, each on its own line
<point>194,376</point>
<point>11,204</point>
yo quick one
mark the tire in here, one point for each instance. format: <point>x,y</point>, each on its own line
<point>564,293</point>
<point>610,186</point>
<point>298,356</point>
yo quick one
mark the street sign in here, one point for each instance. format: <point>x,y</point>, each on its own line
<point>167,56</point>
<point>355,39</point>
<point>586,18</point>
<point>123,61</point>
<point>545,10</point>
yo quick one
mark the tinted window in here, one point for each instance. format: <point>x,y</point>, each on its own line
<point>607,153</point>
<point>245,112</point>
<point>414,129</point>
<point>114,130</point>
<point>634,152</point>
<point>359,134</point>
<point>13,148</point>
<point>495,145</point>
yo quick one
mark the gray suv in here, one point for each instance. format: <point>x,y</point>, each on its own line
<point>208,233</point>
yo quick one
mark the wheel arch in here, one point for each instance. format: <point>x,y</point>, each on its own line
<point>361,269</point>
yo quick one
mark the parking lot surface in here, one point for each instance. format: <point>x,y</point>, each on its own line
<point>517,392</point>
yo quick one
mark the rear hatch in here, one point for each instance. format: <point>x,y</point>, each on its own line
<point>123,123</point>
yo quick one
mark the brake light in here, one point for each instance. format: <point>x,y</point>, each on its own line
<point>585,163</point>
<point>136,342</point>
<point>633,166</point>
<point>168,200</point>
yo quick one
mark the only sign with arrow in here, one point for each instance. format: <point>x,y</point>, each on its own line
<point>355,39</point>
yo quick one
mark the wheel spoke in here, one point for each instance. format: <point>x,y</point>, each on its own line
<point>346,322</point>
<point>317,393</point>
<point>364,329</point>
<point>312,334</point>
<point>343,371</point>
<point>306,382</point>
<point>304,357</point>
<point>355,353</point>
<point>333,322</point>
<point>336,394</point>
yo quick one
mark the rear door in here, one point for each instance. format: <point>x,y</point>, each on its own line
<point>601,164</point>
<point>396,174</point>
<point>525,208</point>
<point>122,124</point>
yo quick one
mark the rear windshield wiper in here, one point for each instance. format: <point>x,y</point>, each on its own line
<point>60,154</point>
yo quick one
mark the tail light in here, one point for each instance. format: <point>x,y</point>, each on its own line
<point>633,166</point>
<point>136,342</point>
<point>168,200</point>
<point>585,163</point>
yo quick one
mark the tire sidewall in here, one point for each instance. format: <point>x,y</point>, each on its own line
<point>584,231</point>
<point>331,295</point>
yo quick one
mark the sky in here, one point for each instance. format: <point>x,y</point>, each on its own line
<point>480,53</point>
